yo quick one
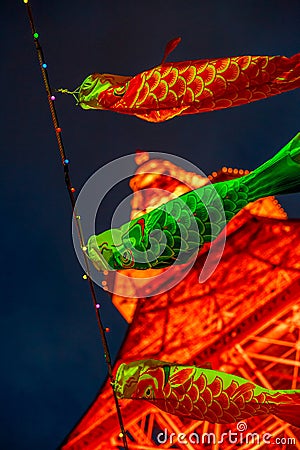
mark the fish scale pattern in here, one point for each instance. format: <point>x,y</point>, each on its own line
<point>174,231</point>
<point>203,394</point>
<point>190,87</point>
<point>209,400</point>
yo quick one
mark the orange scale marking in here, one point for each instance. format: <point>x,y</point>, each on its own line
<point>142,94</point>
<point>258,95</point>
<point>264,409</point>
<point>198,413</point>
<point>244,97</point>
<point>232,388</point>
<point>187,384</point>
<point>201,405</point>
<point>189,96</point>
<point>190,74</point>
<point>216,386</point>
<point>172,400</point>
<point>219,86</point>
<point>275,91</point>
<point>252,71</point>
<point>181,397</point>
<point>251,410</point>
<point>265,77</point>
<point>217,409</point>
<point>201,66</point>
<point>209,105</point>
<point>239,402</point>
<point>161,90</point>
<point>207,396</point>
<point>234,409</point>
<point>187,403</point>
<point>233,72</point>
<point>172,99</point>
<point>167,390</point>
<point>201,383</point>
<point>233,93</point>
<point>265,61</point>
<point>149,73</point>
<point>208,75</point>
<point>164,70</point>
<point>244,61</point>
<point>223,400</point>
<point>222,64</point>
<point>197,86</point>
<point>152,101</point>
<point>243,81</point>
<point>180,87</point>
<point>266,89</point>
<point>223,103</point>
<point>183,67</point>
<point>154,80</point>
<point>207,94</point>
<point>180,391</point>
<point>194,393</point>
<point>171,77</point>
<point>272,67</point>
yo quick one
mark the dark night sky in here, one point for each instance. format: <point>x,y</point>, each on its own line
<point>52,359</point>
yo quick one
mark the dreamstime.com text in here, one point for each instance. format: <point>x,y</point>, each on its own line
<point>240,436</point>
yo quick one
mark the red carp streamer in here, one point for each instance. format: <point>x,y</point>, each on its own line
<point>190,87</point>
<point>203,394</point>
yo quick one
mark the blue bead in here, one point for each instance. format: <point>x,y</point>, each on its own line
<point>66,161</point>
<point>44,66</point>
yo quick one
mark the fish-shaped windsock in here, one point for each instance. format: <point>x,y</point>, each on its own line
<point>203,394</point>
<point>173,232</point>
<point>190,87</point>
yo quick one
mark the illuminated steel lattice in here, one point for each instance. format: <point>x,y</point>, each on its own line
<point>245,320</point>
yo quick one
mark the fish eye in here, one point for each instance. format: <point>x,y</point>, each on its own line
<point>126,255</point>
<point>127,258</point>
<point>148,392</point>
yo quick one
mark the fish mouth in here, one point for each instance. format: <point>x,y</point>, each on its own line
<point>118,385</point>
<point>126,379</point>
<point>89,90</point>
<point>95,255</point>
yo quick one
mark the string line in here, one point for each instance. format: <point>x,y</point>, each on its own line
<point>71,190</point>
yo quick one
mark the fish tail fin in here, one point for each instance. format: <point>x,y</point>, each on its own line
<point>289,78</point>
<point>289,410</point>
<point>278,175</point>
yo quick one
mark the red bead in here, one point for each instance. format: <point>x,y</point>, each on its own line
<point>107,330</point>
<point>73,189</point>
<point>58,130</point>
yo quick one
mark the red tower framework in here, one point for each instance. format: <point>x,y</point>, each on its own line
<point>245,319</point>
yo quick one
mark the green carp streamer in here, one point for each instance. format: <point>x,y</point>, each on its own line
<point>173,232</point>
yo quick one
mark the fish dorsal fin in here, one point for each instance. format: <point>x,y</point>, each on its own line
<point>171,45</point>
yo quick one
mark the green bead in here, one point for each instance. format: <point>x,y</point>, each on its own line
<point>36,35</point>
